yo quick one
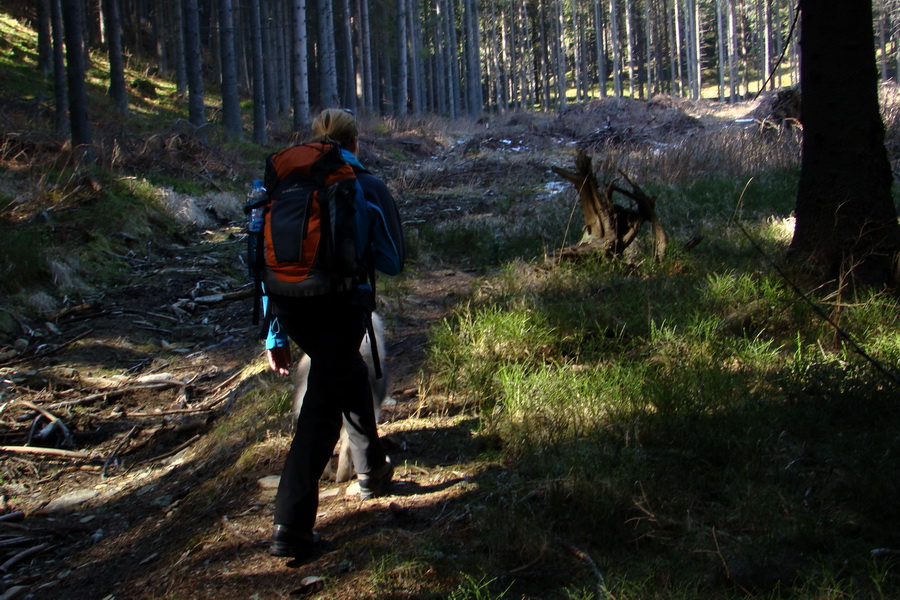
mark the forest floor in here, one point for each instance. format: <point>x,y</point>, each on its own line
<point>153,391</point>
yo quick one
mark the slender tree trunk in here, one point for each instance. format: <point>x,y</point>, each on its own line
<point>629,46</point>
<point>231,109</point>
<point>416,52</point>
<point>260,136</point>
<point>402,106</point>
<point>720,29</point>
<point>366,55</point>
<point>45,38</point>
<point>472,54</point>
<point>677,32</point>
<point>193,56</point>
<point>78,113</point>
<point>283,54</point>
<point>269,83</point>
<point>350,92</point>
<point>453,59</point>
<point>326,51</point>
<point>545,55</point>
<point>59,69</point>
<point>614,42</point>
<point>181,76</point>
<point>601,51</point>
<point>300,70</point>
<point>117,92</point>
<point>440,65</point>
<point>561,83</point>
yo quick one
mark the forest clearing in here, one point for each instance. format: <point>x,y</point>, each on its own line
<point>565,424</point>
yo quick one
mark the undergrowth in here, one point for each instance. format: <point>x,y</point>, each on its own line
<point>693,424</point>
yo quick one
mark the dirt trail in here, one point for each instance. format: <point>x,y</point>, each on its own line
<point>158,383</point>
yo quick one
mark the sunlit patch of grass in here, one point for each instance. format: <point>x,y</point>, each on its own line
<point>665,401</point>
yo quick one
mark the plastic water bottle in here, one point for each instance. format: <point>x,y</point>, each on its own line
<point>256,200</point>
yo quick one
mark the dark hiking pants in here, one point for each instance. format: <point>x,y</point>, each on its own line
<point>329,329</point>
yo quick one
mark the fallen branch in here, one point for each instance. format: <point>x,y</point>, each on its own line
<point>15,541</point>
<point>171,452</point>
<point>109,394</point>
<point>23,555</point>
<point>46,350</point>
<point>45,451</point>
<point>16,515</point>
<point>225,297</point>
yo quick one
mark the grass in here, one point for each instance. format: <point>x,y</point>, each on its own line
<point>693,422</point>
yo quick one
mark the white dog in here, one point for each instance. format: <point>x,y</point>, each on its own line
<point>344,470</point>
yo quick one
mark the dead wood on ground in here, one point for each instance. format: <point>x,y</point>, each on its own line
<point>610,228</point>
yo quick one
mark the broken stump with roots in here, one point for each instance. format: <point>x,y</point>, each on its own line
<point>609,227</point>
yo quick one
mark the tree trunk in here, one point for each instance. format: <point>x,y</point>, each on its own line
<point>268,63</point>
<point>45,39</point>
<point>260,135</point>
<point>614,43</point>
<point>368,76</point>
<point>601,52</point>
<point>300,72</point>
<point>59,69</point>
<point>473,63</point>
<point>116,64</point>
<point>846,219</point>
<point>78,114</point>
<point>350,92</point>
<point>181,77</point>
<point>231,109</point>
<point>403,59</point>
<point>326,52</point>
<point>194,63</point>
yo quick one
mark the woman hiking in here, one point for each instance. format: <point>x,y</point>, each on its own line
<point>329,328</point>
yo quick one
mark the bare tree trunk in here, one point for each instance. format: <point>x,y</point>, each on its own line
<point>473,63</point>
<point>59,69</point>
<point>846,218</point>
<point>415,43</point>
<point>402,106</point>
<point>283,53</point>
<point>440,64</point>
<point>629,47</point>
<point>194,63</point>
<point>601,51</point>
<point>260,136</point>
<point>45,38</point>
<point>327,56</point>
<point>231,108</point>
<point>300,69</point>
<point>721,46</point>
<point>350,92</point>
<point>78,114</point>
<point>453,59</point>
<point>614,42</point>
<point>117,90</point>
<point>561,83</point>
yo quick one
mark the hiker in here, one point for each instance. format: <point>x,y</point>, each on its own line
<point>329,328</point>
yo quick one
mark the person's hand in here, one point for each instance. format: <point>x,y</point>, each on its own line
<point>280,359</point>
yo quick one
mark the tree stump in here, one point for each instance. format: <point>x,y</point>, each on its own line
<point>609,228</point>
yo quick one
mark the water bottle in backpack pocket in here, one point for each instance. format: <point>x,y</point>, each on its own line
<point>255,208</point>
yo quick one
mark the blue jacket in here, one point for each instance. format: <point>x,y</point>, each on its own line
<point>385,236</point>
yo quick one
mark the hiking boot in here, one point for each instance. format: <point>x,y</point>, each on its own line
<point>290,543</point>
<point>377,482</point>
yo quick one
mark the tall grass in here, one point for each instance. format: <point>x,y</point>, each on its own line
<point>692,422</point>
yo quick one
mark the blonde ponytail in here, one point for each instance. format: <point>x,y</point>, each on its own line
<point>335,125</point>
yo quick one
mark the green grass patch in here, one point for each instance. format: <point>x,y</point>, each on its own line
<point>692,422</point>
